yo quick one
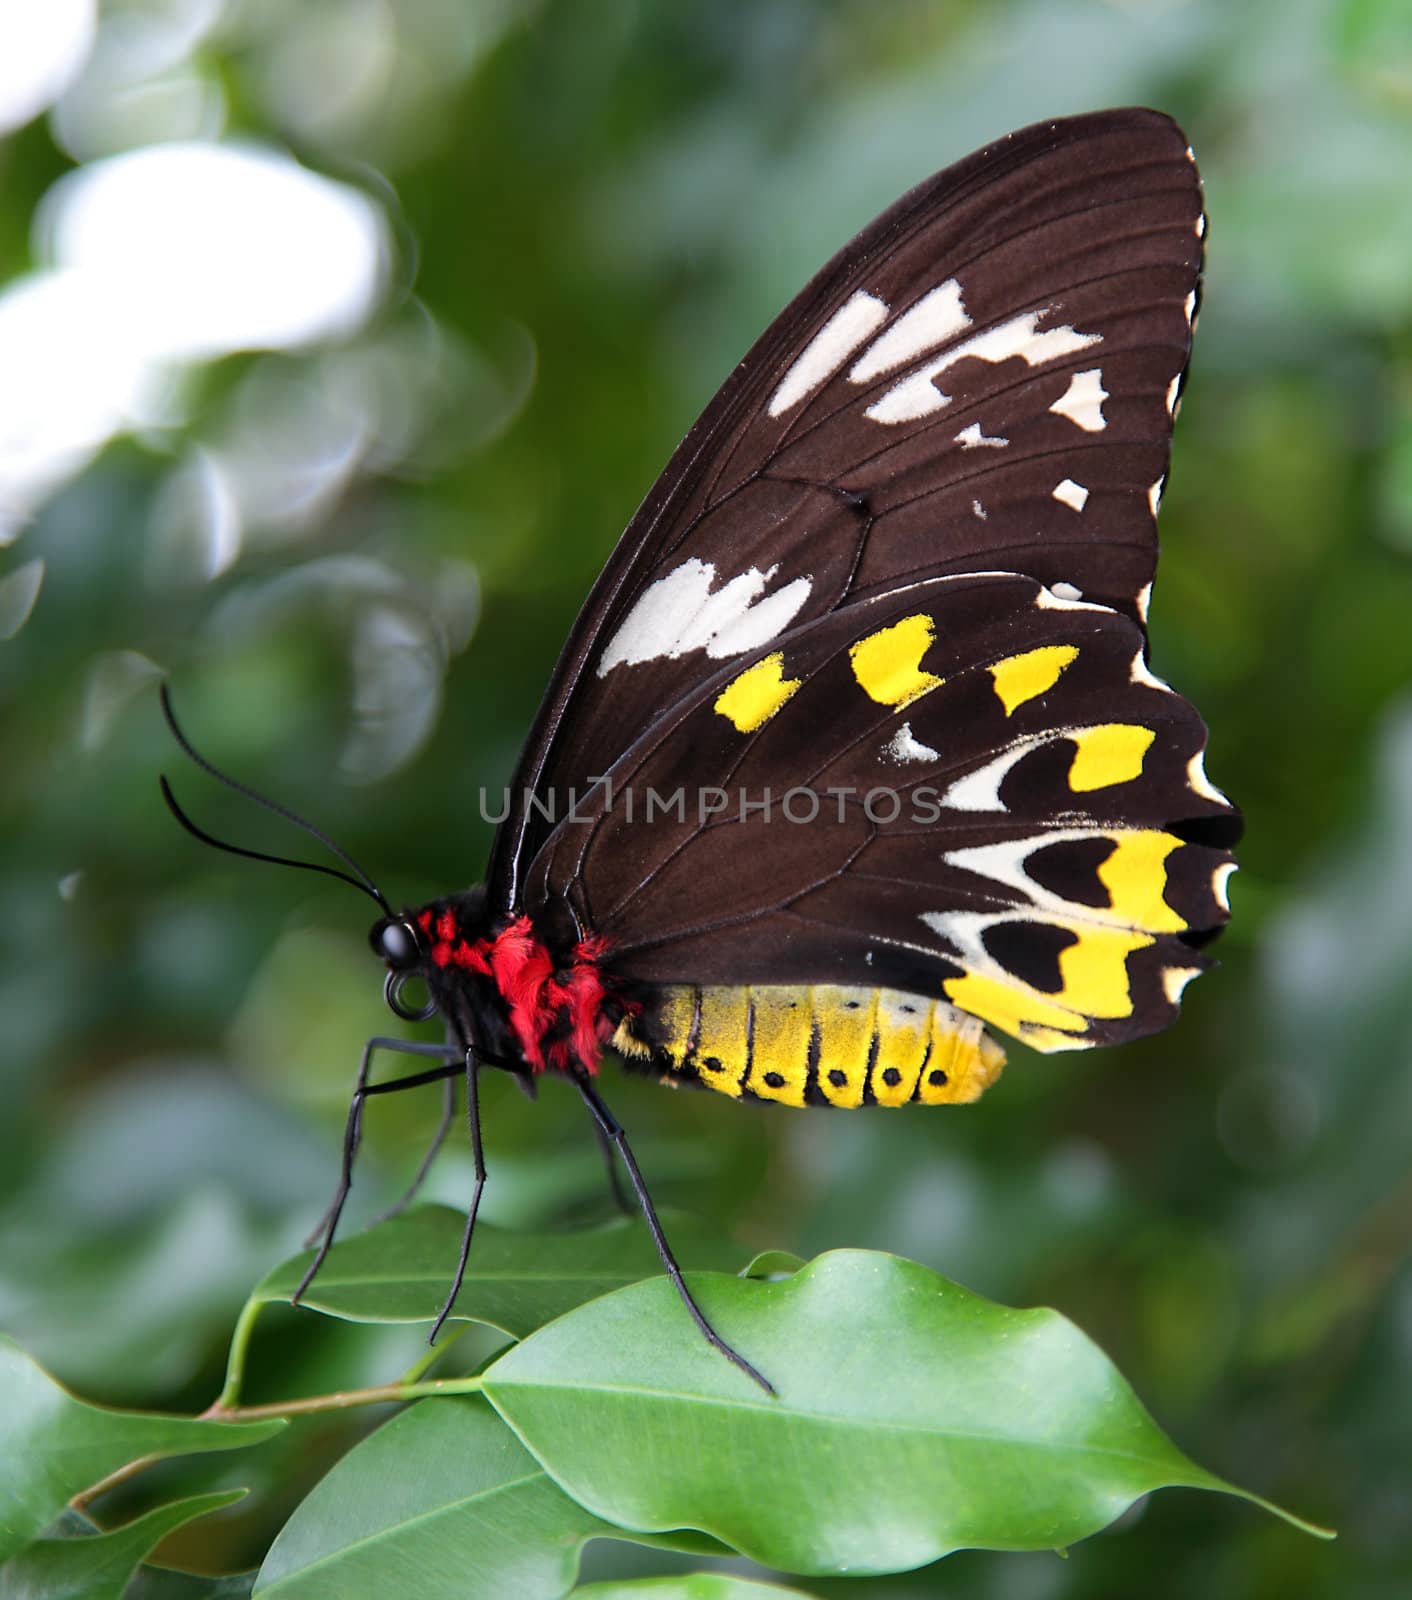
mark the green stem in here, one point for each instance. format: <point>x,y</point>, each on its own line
<point>378,1394</point>
<point>220,1411</point>
<point>239,1349</point>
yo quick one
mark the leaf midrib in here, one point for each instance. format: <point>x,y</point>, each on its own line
<point>763,1407</point>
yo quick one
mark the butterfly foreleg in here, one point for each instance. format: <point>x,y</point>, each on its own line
<point>613,1132</point>
<point>352,1133</point>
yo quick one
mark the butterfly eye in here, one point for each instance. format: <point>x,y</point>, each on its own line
<point>396,942</point>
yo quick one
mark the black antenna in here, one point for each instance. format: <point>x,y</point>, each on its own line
<point>360,881</point>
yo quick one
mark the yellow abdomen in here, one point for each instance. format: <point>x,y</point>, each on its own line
<point>818,1044</point>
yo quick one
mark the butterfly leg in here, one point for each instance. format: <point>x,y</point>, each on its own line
<point>613,1131</point>
<point>353,1133</point>
<point>478,1157</point>
<point>623,1199</point>
<point>448,1111</point>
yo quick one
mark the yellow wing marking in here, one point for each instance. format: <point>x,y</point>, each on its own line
<point>1093,975</point>
<point>1021,678</point>
<point>1095,971</point>
<point>1107,754</point>
<point>887,664</point>
<point>779,1066</point>
<point>1135,876</point>
<point>1010,1005</point>
<point>750,700</point>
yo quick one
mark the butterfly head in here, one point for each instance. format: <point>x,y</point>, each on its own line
<point>404,947</point>
<point>449,947</point>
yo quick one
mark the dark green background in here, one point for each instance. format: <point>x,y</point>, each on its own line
<point>597,208</point>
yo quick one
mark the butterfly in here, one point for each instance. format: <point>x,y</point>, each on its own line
<point>853,752</point>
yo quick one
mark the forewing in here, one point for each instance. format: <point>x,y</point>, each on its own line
<point>976,790</point>
<point>983,379</point>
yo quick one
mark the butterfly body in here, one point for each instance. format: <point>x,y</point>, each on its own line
<point>520,1003</point>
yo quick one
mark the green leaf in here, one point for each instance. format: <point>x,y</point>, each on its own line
<point>914,1418</point>
<point>400,1271</point>
<point>442,1502</point>
<point>52,1445</point>
<point>100,1566</point>
<point>688,1586</point>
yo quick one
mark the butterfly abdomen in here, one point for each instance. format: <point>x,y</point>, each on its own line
<point>823,1044</point>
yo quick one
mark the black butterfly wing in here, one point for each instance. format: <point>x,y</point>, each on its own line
<point>983,379</point>
<point>967,788</point>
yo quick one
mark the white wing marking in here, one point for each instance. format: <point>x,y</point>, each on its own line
<point>854,321</point>
<point>1082,401</point>
<point>679,613</point>
<point>1069,493</point>
<point>917,396</point>
<point>938,316</point>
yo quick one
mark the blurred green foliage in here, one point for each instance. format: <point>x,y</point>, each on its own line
<point>594,209</point>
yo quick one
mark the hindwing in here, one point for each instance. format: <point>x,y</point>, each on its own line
<point>966,787</point>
